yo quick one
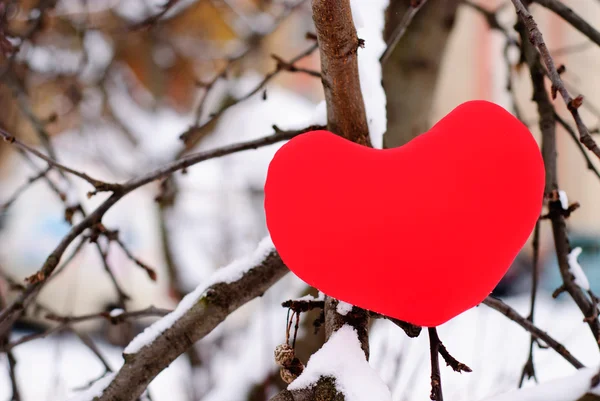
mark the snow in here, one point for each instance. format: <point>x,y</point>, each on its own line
<point>95,390</point>
<point>369,19</point>
<point>234,271</point>
<point>308,297</point>
<point>489,343</point>
<point>576,270</point>
<point>569,388</point>
<point>564,200</point>
<point>342,358</point>
<point>116,312</point>
<point>343,308</point>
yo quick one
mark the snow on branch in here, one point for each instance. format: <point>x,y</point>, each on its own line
<point>575,268</point>
<point>369,18</point>
<point>342,359</point>
<point>233,272</point>
<point>197,315</point>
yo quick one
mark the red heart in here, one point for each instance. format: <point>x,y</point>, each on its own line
<point>420,233</point>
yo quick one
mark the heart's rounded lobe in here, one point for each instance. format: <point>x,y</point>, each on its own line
<point>420,233</point>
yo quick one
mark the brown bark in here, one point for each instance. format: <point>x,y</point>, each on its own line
<point>411,72</point>
<point>338,44</point>
<point>209,311</point>
<point>556,213</point>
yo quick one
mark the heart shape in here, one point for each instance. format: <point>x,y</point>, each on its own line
<point>420,233</point>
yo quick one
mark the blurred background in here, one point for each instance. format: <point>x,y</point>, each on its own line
<point>108,86</point>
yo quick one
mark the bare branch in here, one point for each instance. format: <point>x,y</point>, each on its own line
<point>339,45</point>
<point>191,136</point>
<point>99,185</point>
<point>572,18</point>
<point>549,153</point>
<point>588,161</point>
<point>536,38</point>
<point>67,322</point>
<point>11,313</point>
<point>415,6</point>
<point>436,377</point>
<point>530,327</point>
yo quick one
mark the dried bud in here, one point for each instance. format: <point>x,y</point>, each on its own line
<point>284,355</point>
<point>287,376</point>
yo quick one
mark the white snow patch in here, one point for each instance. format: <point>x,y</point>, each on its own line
<point>116,312</point>
<point>95,389</point>
<point>369,19</point>
<point>569,388</point>
<point>564,199</point>
<point>342,358</point>
<point>309,297</point>
<point>343,308</point>
<point>232,272</point>
<point>575,269</point>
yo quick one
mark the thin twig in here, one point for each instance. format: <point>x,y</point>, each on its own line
<point>529,368</point>
<point>10,314</point>
<point>451,361</point>
<point>66,322</point>
<point>189,136</point>
<point>415,6</point>
<point>588,161</point>
<point>535,331</point>
<point>99,185</point>
<point>22,189</point>
<point>536,38</point>
<point>572,18</point>
<point>436,377</point>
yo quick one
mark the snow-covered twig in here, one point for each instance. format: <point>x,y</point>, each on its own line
<point>196,316</point>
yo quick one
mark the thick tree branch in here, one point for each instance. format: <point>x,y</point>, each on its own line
<point>338,44</point>
<point>205,312</point>
<point>346,116</point>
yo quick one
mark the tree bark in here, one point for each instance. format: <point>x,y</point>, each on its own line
<point>338,45</point>
<point>411,72</point>
<point>217,302</point>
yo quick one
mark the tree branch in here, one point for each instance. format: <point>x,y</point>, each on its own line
<point>535,331</point>
<point>338,44</point>
<point>536,38</point>
<point>207,307</point>
<point>10,314</point>
<point>436,377</point>
<point>572,18</point>
<point>548,128</point>
<point>413,9</point>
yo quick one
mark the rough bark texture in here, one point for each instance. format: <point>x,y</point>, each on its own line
<point>410,73</point>
<point>209,311</point>
<point>547,123</point>
<point>556,213</point>
<point>357,318</point>
<point>338,44</point>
